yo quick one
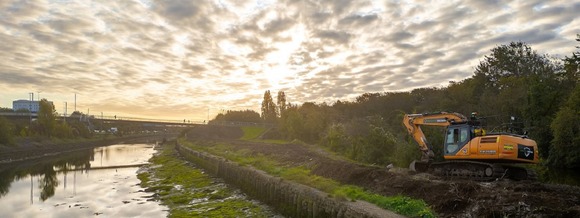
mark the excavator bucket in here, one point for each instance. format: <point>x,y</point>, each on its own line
<point>419,166</point>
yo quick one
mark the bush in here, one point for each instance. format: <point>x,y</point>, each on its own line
<point>368,142</point>
<point>6,132</point>
<point>336,139</point>
<point>565,149</point>
<point>63,130</point>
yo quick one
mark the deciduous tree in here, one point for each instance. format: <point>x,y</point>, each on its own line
<point>565,149</point>
<point>522,83</point>
<point>281,100</point>
<point>239,116</point>
<point>46,117</point>
<point>571,75</point>
<point>268,108</point>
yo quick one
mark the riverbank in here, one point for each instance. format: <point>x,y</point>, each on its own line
<point>447,198</point>
<point>190,192</point>
<point>287,195</point>
<point>32,148</point>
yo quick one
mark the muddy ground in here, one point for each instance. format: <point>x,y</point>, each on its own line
<point>448,198</point>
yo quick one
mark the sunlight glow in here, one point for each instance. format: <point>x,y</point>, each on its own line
<point>179,47</point>
<point>276,76</point>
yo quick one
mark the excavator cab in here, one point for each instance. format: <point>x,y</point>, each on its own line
<point>457,137</point>
<point>460,135</point>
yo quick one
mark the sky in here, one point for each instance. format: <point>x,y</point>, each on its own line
<point>183,59</point>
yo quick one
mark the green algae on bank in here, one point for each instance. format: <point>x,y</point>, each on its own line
<point>189,192</point>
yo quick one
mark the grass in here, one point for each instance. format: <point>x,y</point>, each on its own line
<point>188,192</point>
<point>251,133</point>
<point>399,204</point>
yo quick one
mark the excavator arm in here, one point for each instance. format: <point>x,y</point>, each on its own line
<point>413,123</point>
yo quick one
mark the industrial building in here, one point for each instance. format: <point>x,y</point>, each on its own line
<point>32,106</point>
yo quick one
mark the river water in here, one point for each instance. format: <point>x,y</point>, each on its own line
<point>79,184</point>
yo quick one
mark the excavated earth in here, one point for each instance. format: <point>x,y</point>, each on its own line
<point>448,198</point>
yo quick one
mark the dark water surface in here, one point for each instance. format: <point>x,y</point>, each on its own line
<point>79,184</point>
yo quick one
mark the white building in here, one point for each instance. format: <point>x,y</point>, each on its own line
<point>32,106</point>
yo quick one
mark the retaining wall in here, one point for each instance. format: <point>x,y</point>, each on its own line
<point>289,198</point>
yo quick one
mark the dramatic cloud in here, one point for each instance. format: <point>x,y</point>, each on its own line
<point>178,58</point>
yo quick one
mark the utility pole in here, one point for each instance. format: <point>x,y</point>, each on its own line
<point>32,93</point>
<point>31,96</point>
<point>65,110</point>
<point>75,101</point>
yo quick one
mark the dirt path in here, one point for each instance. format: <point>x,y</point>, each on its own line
<point>455,198</point>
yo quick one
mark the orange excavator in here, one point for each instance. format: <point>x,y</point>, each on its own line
<point>469,151</point>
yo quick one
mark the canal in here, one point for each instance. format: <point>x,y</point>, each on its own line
<point>100,181</point>
<point>96,182</point>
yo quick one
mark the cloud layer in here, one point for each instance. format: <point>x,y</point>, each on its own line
<point>177,58</point>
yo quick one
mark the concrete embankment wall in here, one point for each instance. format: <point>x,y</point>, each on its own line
<point>289,198</point>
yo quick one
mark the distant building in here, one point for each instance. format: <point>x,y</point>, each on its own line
<point>32,106</point>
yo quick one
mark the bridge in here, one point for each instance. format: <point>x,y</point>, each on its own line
<point>106,122</point>
<point>111,118</point>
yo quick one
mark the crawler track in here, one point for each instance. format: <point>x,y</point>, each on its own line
<point>477,171</point>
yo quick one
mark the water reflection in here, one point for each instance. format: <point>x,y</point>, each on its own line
<point>47,183</point>
<point>104,183</point>
<point>45,170</point>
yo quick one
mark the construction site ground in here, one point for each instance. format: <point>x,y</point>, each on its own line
<point>448,198</point>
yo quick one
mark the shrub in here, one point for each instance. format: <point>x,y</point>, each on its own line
<point>6,132</point>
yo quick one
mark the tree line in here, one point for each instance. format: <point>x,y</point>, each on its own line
<point>514,88</point>
<point>46,125</point>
